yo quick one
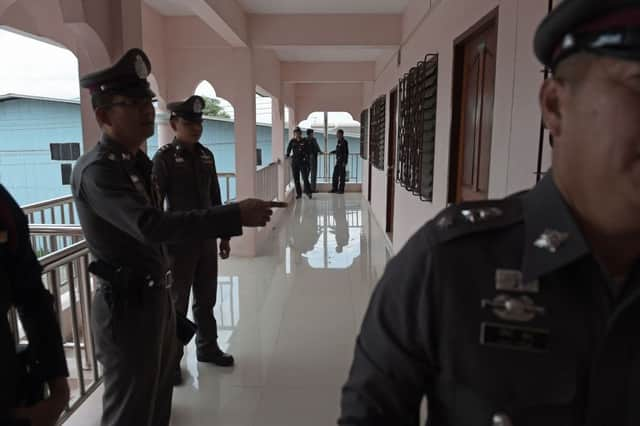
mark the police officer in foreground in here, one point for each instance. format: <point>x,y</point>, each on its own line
<point>525,311</point>
<point>314,151</point>
<point>300,164</point>
<point>118,202</point>
<point>342,158</point>
<point>21,287</point>
<point>187,179</point>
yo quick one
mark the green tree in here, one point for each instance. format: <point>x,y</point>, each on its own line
<point>212,108</point>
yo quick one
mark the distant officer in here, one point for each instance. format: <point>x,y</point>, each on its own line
<point>525,311</point>
<point>342,158</point>
<point>133,318</point>
<point>21,287</point>
<point>187,179</point>
<point>314,151</point>
<point>300,164</point>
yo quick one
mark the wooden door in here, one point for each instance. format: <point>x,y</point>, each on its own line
<point>391,161</point>
<point>471,143</point>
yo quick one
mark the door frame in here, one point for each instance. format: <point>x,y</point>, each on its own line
<point>457,92</point>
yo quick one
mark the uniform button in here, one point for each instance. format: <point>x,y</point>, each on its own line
<point>501,419</point>
<point>151,283</point>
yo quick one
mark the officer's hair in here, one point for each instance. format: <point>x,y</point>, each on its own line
<point>574,69</point>
<point>340,131</point>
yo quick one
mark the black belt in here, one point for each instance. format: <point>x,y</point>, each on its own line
<point>126,276</point>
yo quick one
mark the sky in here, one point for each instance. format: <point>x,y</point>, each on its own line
<point>41,69</point>
<point>33,67</point>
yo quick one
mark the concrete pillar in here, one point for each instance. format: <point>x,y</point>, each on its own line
<point>90,130</point>
<point>278,142</point>
<point>245,143</point>
<point>127,16</point>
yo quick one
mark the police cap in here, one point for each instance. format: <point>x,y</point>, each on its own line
<point>190,110</point>
<point>600,27</point>
<point>127,77</point>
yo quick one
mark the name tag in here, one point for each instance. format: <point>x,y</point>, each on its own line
<point>515,338</point>
<point>179,160</point>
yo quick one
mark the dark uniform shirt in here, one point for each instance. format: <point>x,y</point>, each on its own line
<point>121,216</point>
<point>498,310</point>
<point>187,178</point>
<point>342,151</point>
<point>21,286</point>
<point>301,150</point>
<point>314,148</point>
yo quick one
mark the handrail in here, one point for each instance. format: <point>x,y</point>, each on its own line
<point>60,257</point>
<point>64,230</point>
<point>47,203</point>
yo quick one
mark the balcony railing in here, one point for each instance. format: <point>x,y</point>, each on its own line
<point>57,238</point>
<point>267,182</point>
<point>65,274</point>
<point>326,163</point>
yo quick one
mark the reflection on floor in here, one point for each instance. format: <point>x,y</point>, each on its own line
<point>290,318</point>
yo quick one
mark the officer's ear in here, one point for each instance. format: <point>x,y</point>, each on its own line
<point>552,96</point>
<point>174,123</point>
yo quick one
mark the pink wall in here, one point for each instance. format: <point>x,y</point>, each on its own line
<point>354,30</point>
<point>516,118</point>
<point>312,97</point>
<point>329,72</point>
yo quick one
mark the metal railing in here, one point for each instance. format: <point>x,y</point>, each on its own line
<point>227,183</point>
<point>65,274</point>
<point>267,182</point>
<point>57,211</point>
<point>326,163</point>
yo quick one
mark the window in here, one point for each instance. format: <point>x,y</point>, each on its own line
<point>376,132</point>
<point>65,171</point>
<point>364,134</point>
<point>65,151</point>
<point>258,157</point>
<point>416,147</point>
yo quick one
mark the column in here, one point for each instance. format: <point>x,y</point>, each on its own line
<point>278,142</point>
<point>245,143</point>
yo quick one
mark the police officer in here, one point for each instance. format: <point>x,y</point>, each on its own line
<point>300,164</point>
<point>133,318</point>
<point>525,311</point>
<point>186,174</point>
<point>21,287</point>
<point>314,151</point>
<point>340,169</point>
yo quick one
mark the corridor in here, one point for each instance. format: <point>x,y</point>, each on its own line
<point>290,317</point>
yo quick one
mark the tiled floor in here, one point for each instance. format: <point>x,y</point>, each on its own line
<point>290,318</point>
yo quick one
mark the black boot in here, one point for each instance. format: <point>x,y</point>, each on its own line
<point>217,357</point>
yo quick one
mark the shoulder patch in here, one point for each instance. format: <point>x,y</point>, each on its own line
<point>166,148</point>
<point>475,217</point>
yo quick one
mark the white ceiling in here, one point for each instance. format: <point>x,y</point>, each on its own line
<point>170,7</point>
<point>324,6</point>
<point>331,53</point>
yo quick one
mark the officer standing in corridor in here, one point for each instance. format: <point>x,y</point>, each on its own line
<point>314,151</point>
<point>300,164</point>
<point>187,179</point>
<point>525,311</point>
<point>118,202</point>
<point>21,287</point>
<point>340,169</point>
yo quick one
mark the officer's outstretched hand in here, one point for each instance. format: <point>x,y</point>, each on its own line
<point>225,249</point>
<point>254,212</point>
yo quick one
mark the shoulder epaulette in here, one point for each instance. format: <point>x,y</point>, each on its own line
<point>470,218</point>
<point>166,148</point>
